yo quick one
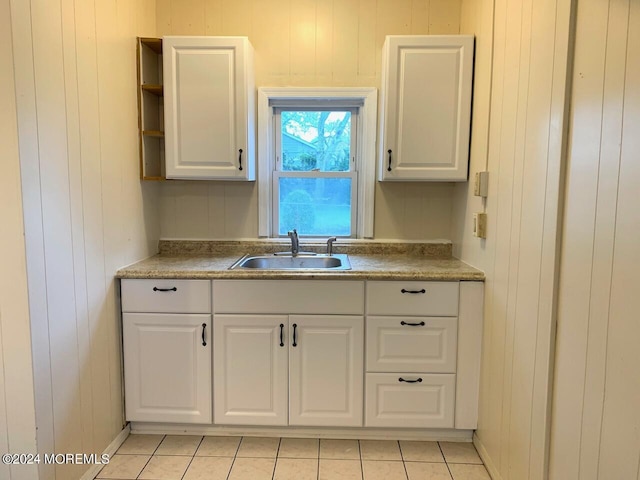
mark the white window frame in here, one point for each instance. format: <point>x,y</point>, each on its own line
<point>367,99</point>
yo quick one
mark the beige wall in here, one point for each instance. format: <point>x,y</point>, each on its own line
<point>17,404</point>
<point>523,149</point>
<point>307,43</point>
<point>85,211</point>
<point>476,19</point>
<point>596,419</point>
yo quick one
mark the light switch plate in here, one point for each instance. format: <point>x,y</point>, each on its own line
<point>480,225</point>
<point>481,185</point>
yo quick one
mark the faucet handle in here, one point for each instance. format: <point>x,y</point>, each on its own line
<point>330,241</point>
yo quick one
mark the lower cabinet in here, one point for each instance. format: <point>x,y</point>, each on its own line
<point>301,370</point>
<point>325,370</point>
<point>410,400</point>
<point>290,352</point>
<point>167,364</point>
<point>251,358</point>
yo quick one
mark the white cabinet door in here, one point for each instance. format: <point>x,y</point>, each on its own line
<point>325,370</point>
<point>167,363</point>
<point>426,107</point>
<point>250,369</point>
<point>209,108</point>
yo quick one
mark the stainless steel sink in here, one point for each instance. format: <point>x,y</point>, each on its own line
<point>289,262</point>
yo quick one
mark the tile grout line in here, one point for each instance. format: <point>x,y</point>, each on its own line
<point>360,455</point>
<point>150,456</point>
<point>275,463</point>
<point>192,457</point>
<point>445,460</point>
<point>404,464</point>
<point>235,455</point>
<point>318,462</point>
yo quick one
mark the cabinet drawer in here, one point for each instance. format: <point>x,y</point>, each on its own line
<point>411,344</point>
<point>412,298</point>
<point>426,403</point>
<point>166,296</point>
<point>289,296</point>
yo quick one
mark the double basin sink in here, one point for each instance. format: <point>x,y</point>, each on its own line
<point>301,261</point>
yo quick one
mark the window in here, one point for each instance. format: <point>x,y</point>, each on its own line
<point>315,176</point>
<point>316,161</point>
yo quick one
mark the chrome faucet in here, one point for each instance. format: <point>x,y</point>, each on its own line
<point>293,235</point>
<point>330,241</point>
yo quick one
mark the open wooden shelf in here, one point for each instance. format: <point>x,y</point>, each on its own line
<point>154,44</point>
<point>150,108</point>
<point>154,89</point>
<point>152,133</point>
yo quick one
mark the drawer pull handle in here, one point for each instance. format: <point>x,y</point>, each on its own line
<point>282,334</point>
<point>419,380</point>
<point>204,341</point>
<point>295,325</point>
<point>413,291</point>
<point>240,160</point>
<point>156,289</point>
<point>389,167</point>
<point>421,324</point>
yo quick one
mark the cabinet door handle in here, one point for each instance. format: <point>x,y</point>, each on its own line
<point>173,289</point>
<point>421,324</point>
<point>413,291</point>
<point>389,167</point>
<point>240,160</point>
<point>294,344</point>
<point>418,380</point>
<point>282,334</point>
<point>204,340</point>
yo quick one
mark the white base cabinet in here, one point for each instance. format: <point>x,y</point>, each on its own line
<point>166,330</point>
<point>167,362</point>
<point>250,374</point>
<point>325,370</point>
<point>303,370</point>
<point>410,400</point>
<point>279,353</point>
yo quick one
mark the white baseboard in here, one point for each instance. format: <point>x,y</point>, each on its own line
<point>110,450</point>
<point>488,462</point>
<point>307,432</point>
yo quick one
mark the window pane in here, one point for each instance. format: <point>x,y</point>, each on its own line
<point>318,141</point>
<point>315,206</point>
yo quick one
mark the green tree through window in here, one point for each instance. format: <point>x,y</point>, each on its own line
<point>315,179</point>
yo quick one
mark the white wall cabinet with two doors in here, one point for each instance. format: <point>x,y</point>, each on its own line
<point>314,353</point>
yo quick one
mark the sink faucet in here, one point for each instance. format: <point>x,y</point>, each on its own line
<point>293,235</point>
<point>330,241</point>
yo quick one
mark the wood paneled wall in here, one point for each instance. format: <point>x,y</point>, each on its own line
<point>17,398</point>
<point>86,212</point>
<point>307,43</point>
<point>596,415</point>
<point>526,125</point>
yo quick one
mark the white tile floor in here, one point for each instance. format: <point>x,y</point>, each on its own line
<point>189,457</point>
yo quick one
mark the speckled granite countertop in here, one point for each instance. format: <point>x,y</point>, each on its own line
<point>369,260</point>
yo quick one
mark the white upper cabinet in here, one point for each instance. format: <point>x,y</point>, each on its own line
<point>426,107</point>
<point>209,108</point>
